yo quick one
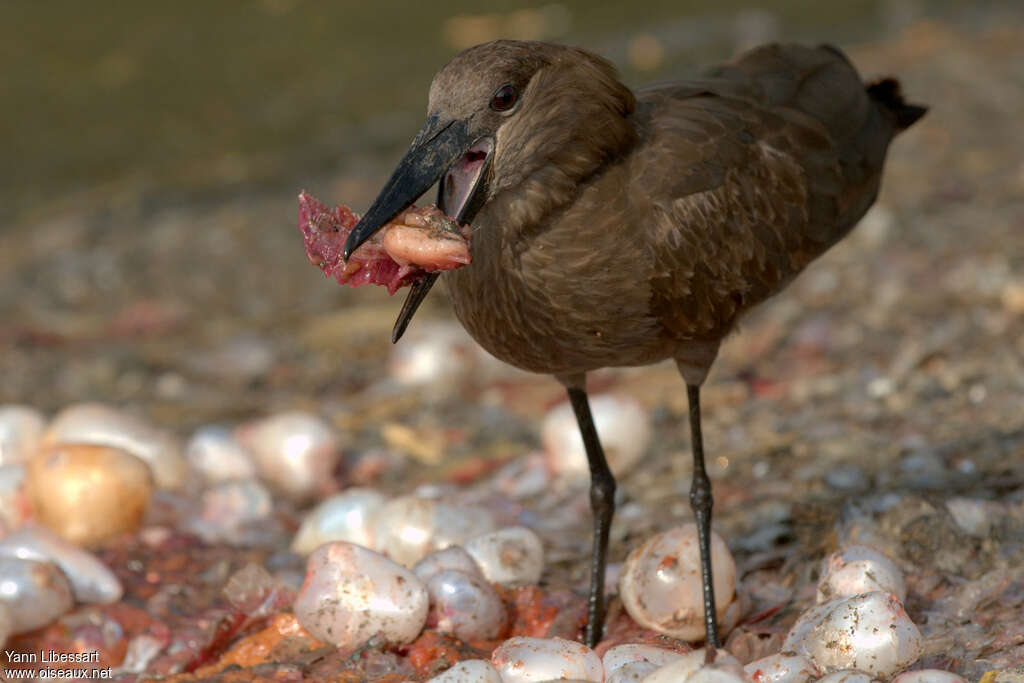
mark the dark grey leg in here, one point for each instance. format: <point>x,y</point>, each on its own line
<point>602,503</point>
<point>701,502</point>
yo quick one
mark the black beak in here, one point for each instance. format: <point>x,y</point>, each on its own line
<point>436,147</point>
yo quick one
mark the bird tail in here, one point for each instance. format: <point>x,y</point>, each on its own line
<point>889,95</point>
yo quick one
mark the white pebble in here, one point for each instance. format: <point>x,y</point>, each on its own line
<point>346,516</point>
<point>522,659</point>
<point>102,425</point>
<point>454,557</point>
<point>846,676</point>
<point>91,580</point>
<point>622,424</point>
<point>693,667</point>
<point>407,528</point>
<point>352,594</point>
<point>213,452</point>
<point>21,429</point>
<point>632,662</point>
<point>928,676</point>
<point>229,507</point>
<point>869,632</point>
<point>435,354</point>
<point>469,671</point>
<point>465,605</point>
<point>660,584</point>
<point>859,569</point>
<point>296,452</point>
<point>975,516</point>
<point>36,593</point>
<point>15,507</point>
<point>781,668</point>
<point>6,623</point>
<point>510,556</point>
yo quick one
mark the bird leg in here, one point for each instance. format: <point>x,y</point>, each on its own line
<point>602,504</point>
<point>701,502</point>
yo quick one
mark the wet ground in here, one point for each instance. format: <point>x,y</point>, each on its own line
<point>887,380</point>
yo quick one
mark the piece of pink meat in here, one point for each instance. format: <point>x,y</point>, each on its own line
<point>417,242</point>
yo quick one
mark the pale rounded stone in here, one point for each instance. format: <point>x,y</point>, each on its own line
<point>859,569</point>
<point>660,583</point>
<point>229,509</point>
<point>929,676</point>
<point>469,671</point>
<point>87,494</point>
<point>21,429</point>
<point>102,425</point>
<point>846,676</point>
<point>633,661</point>
<point>693,668</point>
<point>294,451</point>
<point>623,425</point>
<point>434,354</point>
<point>869,632</point>
<point>465,605</point>
<point>15,507</point>
<point>36,593</point>
<point>523,659</point>
<point>213,452</point>
<point>352,594</point>
<point>408,528</point>
<point>453,557</point>
<point>91,580</point>
<point>510,556</point>
<point>346,516</point>
<point>781,668</point>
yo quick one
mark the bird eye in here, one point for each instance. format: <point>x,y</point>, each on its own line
<point>505,98</point>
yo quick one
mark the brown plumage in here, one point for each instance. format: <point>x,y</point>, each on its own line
<point>623,231</point>
<point>615,229</point>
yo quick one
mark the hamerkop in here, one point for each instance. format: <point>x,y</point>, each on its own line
<point>613,229</point>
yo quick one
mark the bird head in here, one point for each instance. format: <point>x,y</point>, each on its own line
<point>499,114</point>
<point>524,117</point>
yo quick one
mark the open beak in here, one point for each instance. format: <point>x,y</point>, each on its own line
<point>441,148</point>
<point>436,148</point>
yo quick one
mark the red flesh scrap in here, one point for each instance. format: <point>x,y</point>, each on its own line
<point>420,249</point>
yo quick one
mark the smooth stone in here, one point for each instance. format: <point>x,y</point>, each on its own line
<point>469,671</point>
<point>781,668</point>
<point>465,605</point>
<point>90,579</point>
<point>36,593</point>
<point>102,425</point>
<point>346,516</point>
<point>434,354</point>
<point>453,557</point>
<point>522,660</point>
<point>633,661</point>
<point>623,425</point>
<point>870,632</point>
<point>929,676</point>
<point>660,584</point>
<point>859,569</point>
<point>846,676</point>
<point>296,452</point>
<point>6,623</point>
<point>228,509</point>
<point>15,507</point>
<point>87,494</point>
<point>213,452</point>
<point>408,528</point>
<point>21,429</point>
<point>352,594</point>
<point>693,668</point>
<point>510,556</point>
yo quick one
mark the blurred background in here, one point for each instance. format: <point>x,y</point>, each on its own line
<point>152,153</point>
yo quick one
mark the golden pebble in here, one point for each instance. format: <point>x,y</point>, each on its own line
<point>86,493</point>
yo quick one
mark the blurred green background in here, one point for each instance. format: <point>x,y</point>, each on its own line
<point>196,96</point>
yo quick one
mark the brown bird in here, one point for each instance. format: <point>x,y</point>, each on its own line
<point>613,229</point>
